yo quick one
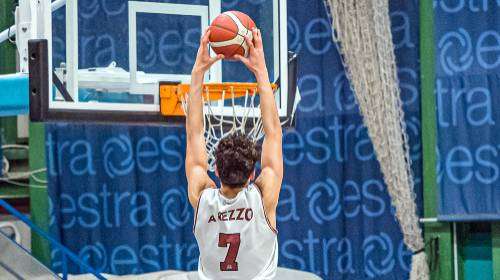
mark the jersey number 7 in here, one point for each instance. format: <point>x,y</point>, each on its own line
<point>233,240</point>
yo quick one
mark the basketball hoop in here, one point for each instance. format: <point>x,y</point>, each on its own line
<point>243,114</point>
<point>173,102</point>
<point>172,95</point>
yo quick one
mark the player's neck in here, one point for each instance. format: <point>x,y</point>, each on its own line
<point>230,192</point>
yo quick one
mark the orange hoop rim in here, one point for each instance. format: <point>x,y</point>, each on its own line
<point>172,95</point>
<point>218,91</point>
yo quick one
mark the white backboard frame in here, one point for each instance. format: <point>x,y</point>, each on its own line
<point>135,7</point>
<point>207,14</point>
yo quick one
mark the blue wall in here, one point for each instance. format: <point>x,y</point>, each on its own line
<point>467,84</point>
<point>118,193</point>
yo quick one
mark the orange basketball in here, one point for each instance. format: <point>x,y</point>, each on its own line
<point>227,33</point>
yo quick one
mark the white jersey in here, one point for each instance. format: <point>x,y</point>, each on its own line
<point>235,238</point>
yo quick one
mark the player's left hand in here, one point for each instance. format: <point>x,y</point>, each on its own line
<point>255,61</point>
<point>203,59</point>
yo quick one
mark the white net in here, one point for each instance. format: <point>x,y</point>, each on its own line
<point>245,119</point>
<point>363,35</point>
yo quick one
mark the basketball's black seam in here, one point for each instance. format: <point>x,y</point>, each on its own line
<point>227,29</point>
<point>237,34</point>
<point>242,44</point>
<point>245,25</point>
<point>248,29</point>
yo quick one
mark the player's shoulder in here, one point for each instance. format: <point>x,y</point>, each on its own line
<point>253,190</point>
<point>255,195</point>
<point>209,194</point>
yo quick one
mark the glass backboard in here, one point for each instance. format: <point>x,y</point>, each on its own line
<point>111,56</point>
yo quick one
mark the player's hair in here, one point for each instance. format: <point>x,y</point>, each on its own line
<point>235,158</point>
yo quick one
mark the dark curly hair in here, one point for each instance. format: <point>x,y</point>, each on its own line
<point>235,158</point>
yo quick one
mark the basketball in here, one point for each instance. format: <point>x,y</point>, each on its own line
<point>228,31</point>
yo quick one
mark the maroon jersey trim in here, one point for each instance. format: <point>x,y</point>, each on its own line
<point>264,209</point>
<point>197,208</point>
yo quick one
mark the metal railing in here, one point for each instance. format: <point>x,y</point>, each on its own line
<point>66,253</point>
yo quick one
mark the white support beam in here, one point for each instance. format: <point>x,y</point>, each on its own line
<point>72,48</point>
<point>215,72</point>
<point>43,24</point>
<point>283,53</point>
<point>135,7</point>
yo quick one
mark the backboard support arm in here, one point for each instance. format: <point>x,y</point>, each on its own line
<point>40,90</point>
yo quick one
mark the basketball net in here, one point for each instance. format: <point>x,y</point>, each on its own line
<point>362,32</point>
<point>248,122</point>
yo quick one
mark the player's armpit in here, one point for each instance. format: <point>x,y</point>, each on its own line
<point>269,184</point>
<point>198,180</point>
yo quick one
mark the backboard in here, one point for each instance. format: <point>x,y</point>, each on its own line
<point>108,58</point>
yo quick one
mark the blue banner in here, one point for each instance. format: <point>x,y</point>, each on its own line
<point>468,77</point>
<point>118,193</point>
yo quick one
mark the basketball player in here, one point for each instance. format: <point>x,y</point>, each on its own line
<point>235,225</point>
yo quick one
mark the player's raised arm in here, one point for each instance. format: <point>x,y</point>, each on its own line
<point>196,155</point>
<point>272,158</point>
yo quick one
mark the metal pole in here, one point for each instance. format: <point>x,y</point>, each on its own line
<point>428,220</point>
<point>35,229</point>
<point>455,251</point>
